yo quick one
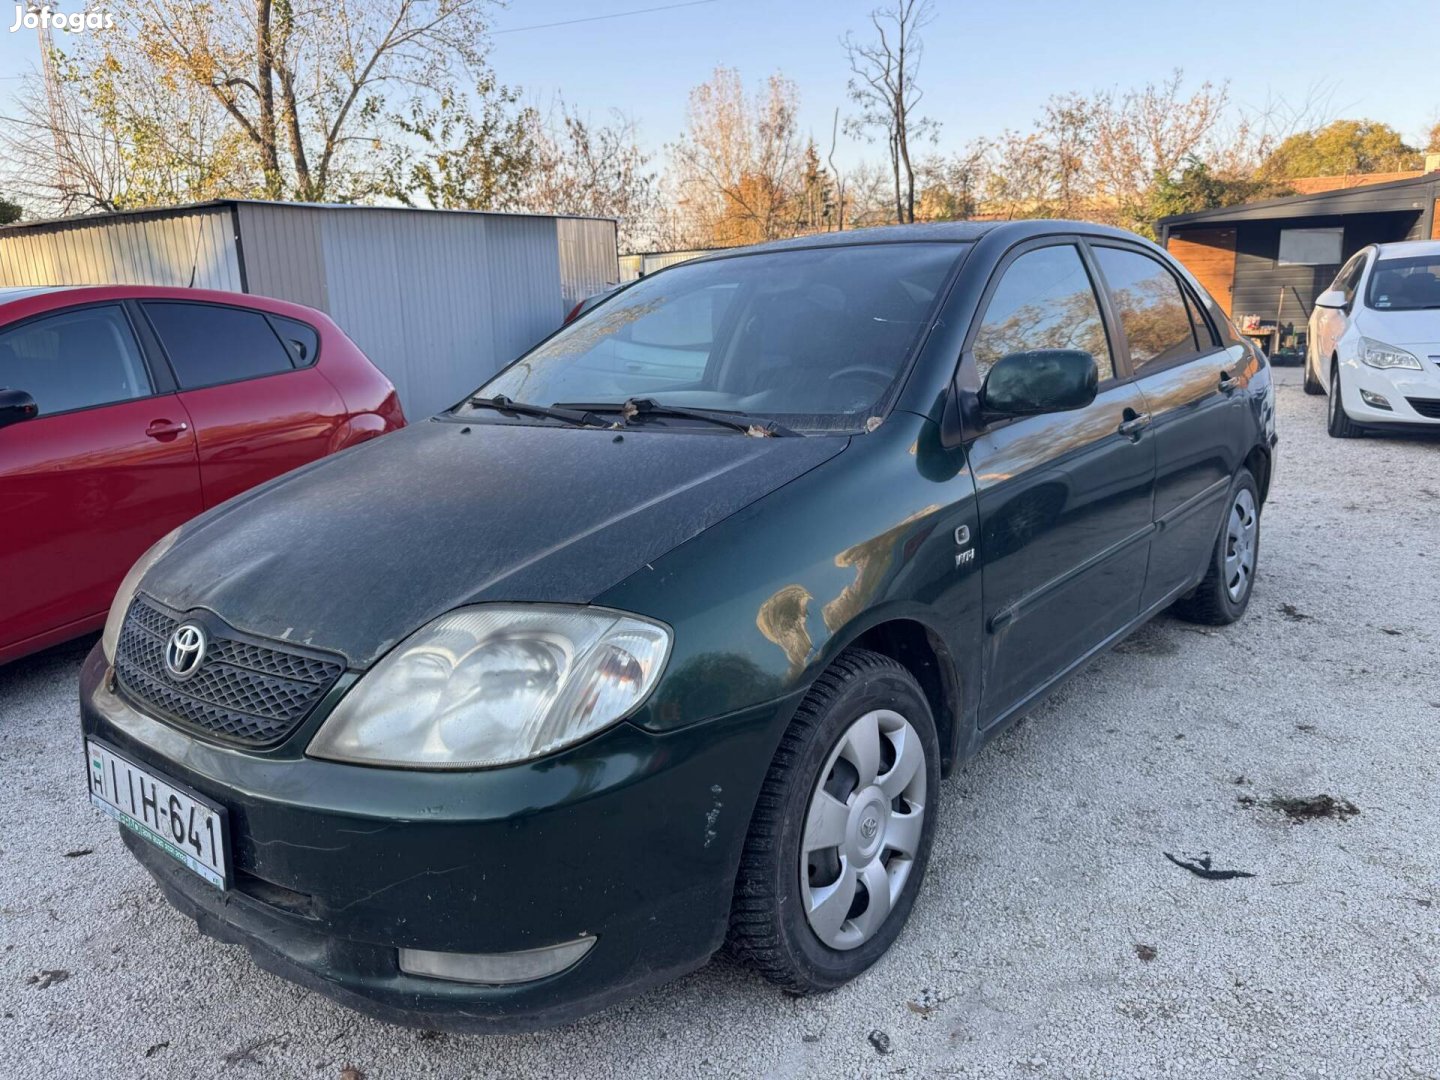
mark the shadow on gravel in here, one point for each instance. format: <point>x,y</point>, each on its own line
<point>59,661</point>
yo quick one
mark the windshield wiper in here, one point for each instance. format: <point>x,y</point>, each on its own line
<point>758,427</point>
<point>501,403</point>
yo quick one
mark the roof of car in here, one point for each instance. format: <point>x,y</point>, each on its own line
<point>933,231</point>
<point>19,302</point>
<point>1408,249</point>
<point>20,292</point>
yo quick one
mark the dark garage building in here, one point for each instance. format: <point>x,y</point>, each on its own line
<point>1269,260</point>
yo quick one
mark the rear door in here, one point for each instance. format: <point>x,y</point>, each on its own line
<point>1064,498</point>
<point>248,379</point>
<point>105,469</point>
<point>1197,421</point>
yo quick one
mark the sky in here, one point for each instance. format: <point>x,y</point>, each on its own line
<point>987,66</point>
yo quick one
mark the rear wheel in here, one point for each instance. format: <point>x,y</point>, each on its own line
<point>841,833</point>
<point>1340,425</point>
<point>1224,594</point>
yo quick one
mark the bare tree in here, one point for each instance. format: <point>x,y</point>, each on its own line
<point>475,152</point>
<point>738,163</point>
<point>596,169</point>
<point>883,87</point>
<point>304,84</point>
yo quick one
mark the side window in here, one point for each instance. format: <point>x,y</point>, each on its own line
<point>298,337</point>
<point>1150,305</point>
<point>209,344</point>
<point>74,360</point>
<point>1044,301</point>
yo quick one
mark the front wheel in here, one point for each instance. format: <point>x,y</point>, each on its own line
<point>1313,386</point>
<point>1224,593</point>
<point>841,833</point>
<point>1340,425</point>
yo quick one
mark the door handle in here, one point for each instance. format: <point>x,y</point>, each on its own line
<point>1134,423</point>
<point>166,429</point>
<point>1228,383</point>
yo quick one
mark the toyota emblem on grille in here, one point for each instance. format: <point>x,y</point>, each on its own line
<point>185,651</point>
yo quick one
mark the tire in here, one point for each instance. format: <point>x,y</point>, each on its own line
<point>1313,386</point>
<point>1217,601</point>
<point>771,926</point>
<point>1340,425</point>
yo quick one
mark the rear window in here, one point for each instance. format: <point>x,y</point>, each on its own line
<point>1405,284</point>
<point>209,344</point>
<point>1151,307</point>
<point>300,338</point>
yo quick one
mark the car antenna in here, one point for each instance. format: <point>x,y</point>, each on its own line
<point>195,254</point>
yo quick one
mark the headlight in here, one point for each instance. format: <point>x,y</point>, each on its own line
<point>1379,355</point>
<point>496,683</point>
<point>121,604</point>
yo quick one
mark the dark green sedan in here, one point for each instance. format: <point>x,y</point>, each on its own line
<point>663,640</point>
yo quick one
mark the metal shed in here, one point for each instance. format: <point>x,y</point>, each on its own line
<point>438,299</point>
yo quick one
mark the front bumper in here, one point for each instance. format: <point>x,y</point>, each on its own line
<point>1400,387</point>
<point>631,837</point>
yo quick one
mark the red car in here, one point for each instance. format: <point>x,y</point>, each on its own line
<point>125,411</point>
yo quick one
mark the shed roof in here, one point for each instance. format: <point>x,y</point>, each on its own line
<point>1411,194</point>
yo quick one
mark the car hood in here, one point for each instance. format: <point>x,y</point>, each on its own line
<point>356,551</point>
<point>1418,328</point>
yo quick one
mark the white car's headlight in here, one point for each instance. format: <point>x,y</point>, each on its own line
<point>1379,355</point>
<point>494,684</point>
<point>131,582</point>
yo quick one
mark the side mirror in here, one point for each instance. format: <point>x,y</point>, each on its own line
<point>1331,298</point>
<point>16,405</point>
<point>1041,381</point>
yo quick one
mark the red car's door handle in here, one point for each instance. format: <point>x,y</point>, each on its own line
<point>166,429</point>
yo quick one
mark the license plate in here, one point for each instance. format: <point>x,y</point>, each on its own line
<point>171,817</point>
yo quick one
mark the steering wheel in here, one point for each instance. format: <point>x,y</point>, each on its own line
<point>862,369</point>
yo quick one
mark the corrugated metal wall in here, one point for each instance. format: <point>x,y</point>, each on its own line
<point>635,266</point>
<point>589,259</point>
<point>126,250</point>
<point>438,300</point>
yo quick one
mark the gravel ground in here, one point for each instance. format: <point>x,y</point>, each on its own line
<point>1053,937</point>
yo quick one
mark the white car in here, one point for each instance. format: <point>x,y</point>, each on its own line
<point>1375,340</point>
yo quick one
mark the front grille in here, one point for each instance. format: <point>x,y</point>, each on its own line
<point>245,691</point>
<point>1426,406</point>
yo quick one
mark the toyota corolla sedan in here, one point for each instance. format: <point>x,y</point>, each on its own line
<point>1375,340</point>
<point>665,637</point>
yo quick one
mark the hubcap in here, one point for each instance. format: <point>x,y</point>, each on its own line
<point>1242,531</point>
<point>862,829</point>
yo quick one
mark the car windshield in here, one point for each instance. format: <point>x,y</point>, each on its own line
<point>1405,284</point>
<point>813,339</point>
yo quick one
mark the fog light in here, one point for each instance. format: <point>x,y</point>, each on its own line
<point>1375,401</point>
<point>495,969</point>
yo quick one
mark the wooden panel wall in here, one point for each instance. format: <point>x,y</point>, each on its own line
<point>1209,254</point>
